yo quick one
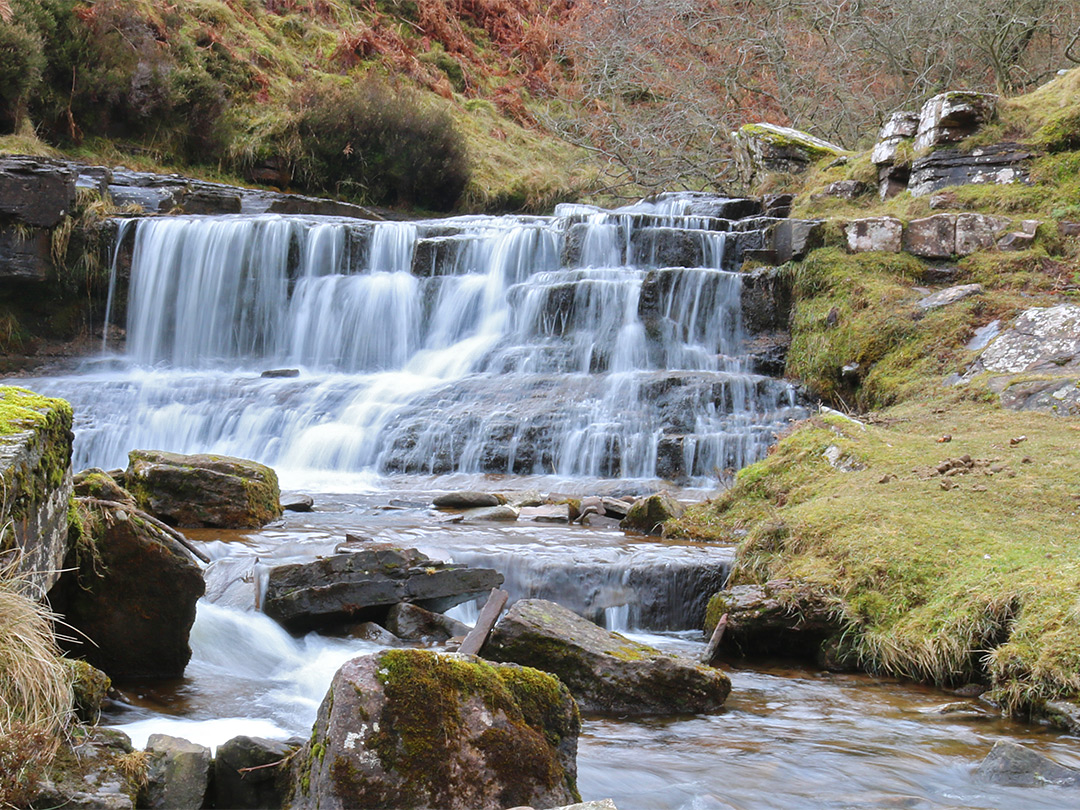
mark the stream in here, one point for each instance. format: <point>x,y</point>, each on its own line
<point>590,352</point>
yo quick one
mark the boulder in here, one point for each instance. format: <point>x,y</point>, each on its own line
<point>998,164</point>
<point>649,514</point>
<point>1012,765</point>
<point>950,295</point>
<point>875,233</point>
<point>1040,339</point>
<point>89,687</point>
<point>932,237</point>
<point>782,617</point>
<point>35,467</point>
<point>844,190</point>
<point>606,672</point>
<point>762,149</point>
<point>899,127</point>
<point>953,116</point>
<point>96,483</point>
<point>978,232</point>
<point>467,500</point>
<point>362,585</point>
<point>179,774</point>
<point>413,623</point>
<point>413,729</point>
<point>251,773</point>
<point>203,490</point>
<point>36,191</point>
<point>130,597</point>
<point>298,503</point>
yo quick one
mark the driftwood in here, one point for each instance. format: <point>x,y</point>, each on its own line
<point>713,647</point>
<point>153,521</point>
<point>478,635</point>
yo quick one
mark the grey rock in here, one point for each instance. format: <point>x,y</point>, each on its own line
<point>932,237</point>
<point>1013,765</point>
<point>549,513</point>
<point>413,623</point>
<point>369,631</point>
<point>25,257</point>
<point>298,503</point>
<point>36,191</point>
<point>950,295</point>
<point>179,773</point>
<point>782,617</point>
<point>1016,241</point>
<point>762,149</point>
<point>261,788</point>
<point>649,514</point>
<point>844,189</point>
<point>92,780</point>
<point>606,672</point>
<point>363,584</point>
<point>503,513</point>
<point>467,500</point>
<point>413,729</point>
<point>978,232</point>
<point>615,507</point>
<point>953,116</point>
<point>1041,338</point>
<point>280,373</point>
<point>875,233</point>
<point>792,239</point>
<point>999,164</point>
<point>900,126</point>
<point>777,205</point>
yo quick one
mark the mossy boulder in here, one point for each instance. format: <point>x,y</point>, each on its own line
<point>90,686</point>
<point>35,466</point>
<point>203,490</point>
<point>648,514</point>
<point>414,729</point>
<point>129,594</point>
<point>763,149</point>
<point>606,672</point>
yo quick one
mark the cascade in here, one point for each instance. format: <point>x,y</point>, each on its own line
<point>587,343</point>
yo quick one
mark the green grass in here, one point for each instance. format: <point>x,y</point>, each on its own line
<point>943,585</point>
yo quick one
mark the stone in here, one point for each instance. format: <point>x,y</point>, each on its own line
<point>25,257</point>
<point>492,514</point>
<point>765,301</point>
<point>1041,338</point>
<point>875,233</point>
<point>89,686</point>
<point>782,617</point>
<point>88,774</point>
<point>950,295</point>
<point>606,672</point>
<point>264,786</point>
<point>362,585</point>
<point>369,631</point>
<point>892,179</point>
<point>953,116</point>
<point>792,239</point>
<point>129,595</point>
<point>298,503</point>
<point>179,773</point>
<point>1017,240</point>
<point>978,232</point>
<point>415,729</point>
<point>1012,765</point>
<point>467,500</point>
<point>36,191</point>
<point>932,237</point>
<point>844,189</point>
<point>413,623</point>
<point>280,373</point>
<point>762,149</point>
<point>777,205</point>
<point>900,126</point>
<point>548,513</point>
<point>615,507</point>
<point>35,467</point>
<point>203,490</point>
<point>648,514</point>
<point>96,483</point>
<point>999,164</point>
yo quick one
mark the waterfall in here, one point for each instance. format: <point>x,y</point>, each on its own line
<point>588,343</point>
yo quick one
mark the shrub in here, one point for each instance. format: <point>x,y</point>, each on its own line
<point>377,144</point>
<point>22,59</point>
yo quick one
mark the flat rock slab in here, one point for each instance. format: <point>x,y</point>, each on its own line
<point>1013,765</point>
<point>606,672</point>
<point>358,584</point>
<point>203,490</point>
<point>467,499</point>
<point>1041,338</point>
<point>950,295</point>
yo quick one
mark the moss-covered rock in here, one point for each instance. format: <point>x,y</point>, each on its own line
<point>605,671</point>
<point>649,514</point>
<point>204,490</point>
<point>412,729</point>
<point>90,686</point>
<point>763,149</point>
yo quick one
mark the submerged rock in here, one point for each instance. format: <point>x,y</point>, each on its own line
<point>649,514</point>
<point>467,499</point>
<point>414,729</point>
<point>203,490</point>
<point>606,672</point>
<point>1013,765</point>
<point>361,585</point>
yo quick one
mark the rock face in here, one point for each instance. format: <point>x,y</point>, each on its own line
<point>361,585</point>
<point>944,235</point>
<point>1013,765</point>
<point>649,514</point>
<point>25,257</point>
<point>203,490</point>
<point>35,465</point>
<point>413,729</point>
<point>780,618</point>
<point>998,164</point>
<point>263,787</point>
<point>132,594</point>
<point>606,672</point>
<point>767,148</point>
<point>953,116</point>
<point>36,191</point>
<point>179,773</point>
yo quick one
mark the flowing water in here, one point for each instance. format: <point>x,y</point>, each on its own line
<point>590,352</point>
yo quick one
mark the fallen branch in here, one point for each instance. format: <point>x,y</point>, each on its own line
<point>478,635</point>
<point>153,521</point>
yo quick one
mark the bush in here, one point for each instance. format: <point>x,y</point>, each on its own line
<point>22,60</point>
<point>378,145</point>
